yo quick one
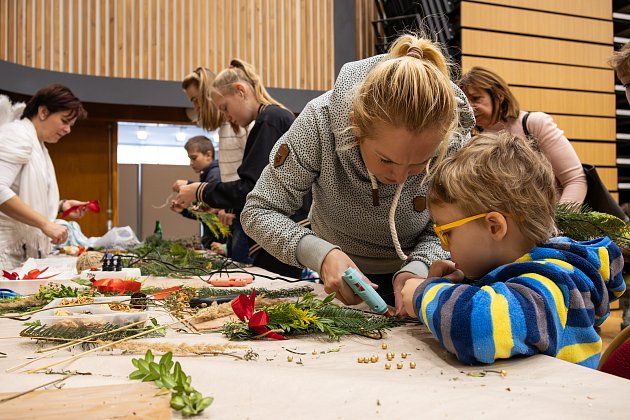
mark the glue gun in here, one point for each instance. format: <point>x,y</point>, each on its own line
<point>359,286</point>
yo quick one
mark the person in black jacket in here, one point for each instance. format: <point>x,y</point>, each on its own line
<point>201,154</point>
<point>242,98</point>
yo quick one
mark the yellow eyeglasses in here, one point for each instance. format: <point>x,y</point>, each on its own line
<point>439,230</point>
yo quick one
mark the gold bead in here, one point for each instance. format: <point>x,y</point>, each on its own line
<point>388,365</point>
<point>384,346</point>
<point>314,353</point>
<point>412,365</point>
<point>399,365</point>
<point>389,357</point>
<point>366,359</point>
<point>503,373</point>
<point>360,360</point>
<point>403,355</point>
<point>374,359</point>
<point>289,358</point>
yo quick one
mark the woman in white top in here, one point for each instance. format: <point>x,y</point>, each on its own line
<point>232,139</point>
<point>29,196</point>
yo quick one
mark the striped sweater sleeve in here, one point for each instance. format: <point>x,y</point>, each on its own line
<point>546,306</point>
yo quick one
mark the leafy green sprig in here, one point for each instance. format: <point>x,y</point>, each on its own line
<point>170,376</point>
<point>52,291</point>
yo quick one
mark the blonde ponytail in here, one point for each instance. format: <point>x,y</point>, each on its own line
<point>241,71</point>
<point>409,89</point>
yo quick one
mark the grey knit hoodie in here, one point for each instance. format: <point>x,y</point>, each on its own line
<point>323,155</point>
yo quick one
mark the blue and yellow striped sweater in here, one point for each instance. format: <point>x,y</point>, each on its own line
<point>548,301</point>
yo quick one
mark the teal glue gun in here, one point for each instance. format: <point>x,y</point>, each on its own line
<point>366,292</point>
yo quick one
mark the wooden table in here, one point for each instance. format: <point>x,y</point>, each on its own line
<point>326,381</point>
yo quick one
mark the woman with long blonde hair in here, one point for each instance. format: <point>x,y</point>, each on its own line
<point>365,150</point>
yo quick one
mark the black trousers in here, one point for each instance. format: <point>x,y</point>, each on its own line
<point>385,286</point>
<point>265,260</point>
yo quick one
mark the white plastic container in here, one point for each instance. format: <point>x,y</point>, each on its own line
<point>96,316</point>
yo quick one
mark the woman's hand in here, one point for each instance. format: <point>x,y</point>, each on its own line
<point>333,267</point>
<point>79,212</point>
<point>186,194</point>
<point>57,233</point>
<point>400,282</point>
<point>178,184</point>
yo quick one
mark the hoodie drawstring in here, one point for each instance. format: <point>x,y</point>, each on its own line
<point>392,213</point>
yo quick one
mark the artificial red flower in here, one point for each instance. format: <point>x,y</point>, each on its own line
<point>10,276</point>
<point>243,307</point>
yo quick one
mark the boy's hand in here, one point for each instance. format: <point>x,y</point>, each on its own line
<point>407,295</point>
<point>177,184</point>
<point>447,270</point>
<point>177,208</point>
<point>400,282</point>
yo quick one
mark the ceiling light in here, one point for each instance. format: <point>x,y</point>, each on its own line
<point>180,135</point>
<point>142,133</point>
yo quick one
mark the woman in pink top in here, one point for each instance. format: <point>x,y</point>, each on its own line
<point>497,109</point>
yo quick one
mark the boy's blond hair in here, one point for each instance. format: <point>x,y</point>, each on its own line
<point>504,103</point>
<point>620,61</point>
<point>499,172</point>
<point>209,117</point>
<point>241,71</point>
<point>410,89</point>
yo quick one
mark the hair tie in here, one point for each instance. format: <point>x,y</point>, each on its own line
<point>415,52</point>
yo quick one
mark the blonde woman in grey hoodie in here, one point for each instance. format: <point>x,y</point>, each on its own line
<point>365,150</point>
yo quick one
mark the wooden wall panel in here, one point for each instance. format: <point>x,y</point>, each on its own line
<point>587,128</point>
<point>549,25</point>
<point>365,13</point>
<point>520,47</point>
<point>80,156</point>
<point>599,154</point>
<point>566,101</point>
<point>291,43</point>
<point>599,9</point>
<point>524,73</point>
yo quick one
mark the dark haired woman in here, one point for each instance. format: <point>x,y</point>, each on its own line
<point>29,196</point>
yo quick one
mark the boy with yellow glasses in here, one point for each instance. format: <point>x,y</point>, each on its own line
<point>509,288</point>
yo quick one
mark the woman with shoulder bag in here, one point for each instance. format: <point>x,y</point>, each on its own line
<point>497,109</point>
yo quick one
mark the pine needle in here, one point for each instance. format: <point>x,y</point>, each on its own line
<point>580,223</point>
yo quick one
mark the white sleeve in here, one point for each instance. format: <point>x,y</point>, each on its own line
<point>8,174</point>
